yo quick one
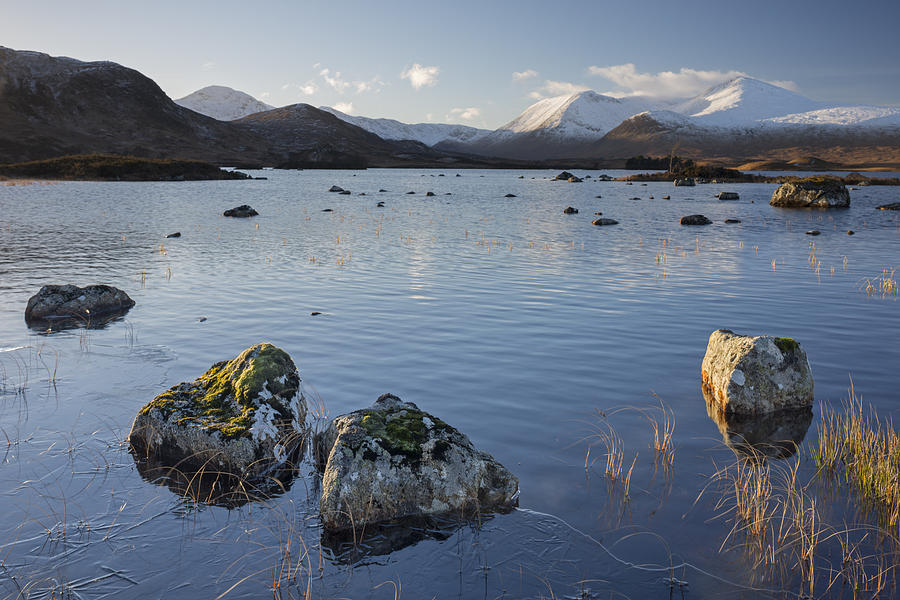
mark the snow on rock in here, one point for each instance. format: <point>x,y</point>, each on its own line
<point>222,103</point>
<point>427,133</point>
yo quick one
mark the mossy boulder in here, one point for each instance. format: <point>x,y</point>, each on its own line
<point>393,460</point>
<point>244,417</point>
<point>749,375</point>
<point>812,192</point>
<point>85,305</point>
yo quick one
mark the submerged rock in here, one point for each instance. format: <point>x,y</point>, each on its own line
<point>244,417</point>
<point>755,375</point>
<point>728,196</point>
<point>81,304</point>
<point>812,192</point>
<point>695,220</point>
<point>776,434</point>
<point>393,460</point>
<point>241,211</point>
<point>570,211</point>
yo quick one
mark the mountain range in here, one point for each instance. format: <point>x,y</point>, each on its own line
<point>55,105</point>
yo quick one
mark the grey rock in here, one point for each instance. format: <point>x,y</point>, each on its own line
<point>393,460</point>
<point>245,417</point>
<point>755,375</point>
<point>811,194</point>
<point>242,211</point>
<point>69,302</point>
<point>695,220</point>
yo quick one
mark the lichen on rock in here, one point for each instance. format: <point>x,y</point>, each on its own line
<point>393,460</point>
<point>245,416</point>
<point>812,192</point>
<point>755,375</point>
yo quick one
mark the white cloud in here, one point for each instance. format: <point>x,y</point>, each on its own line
<point>786,84</point>
<point>335,81</point>
<point>420,76</point>
<point>344,107</point>
<point>669,84</point>
<point>466,114</point>
<point>557,88</point>
<point>523,75</point>
<point>307,89</point>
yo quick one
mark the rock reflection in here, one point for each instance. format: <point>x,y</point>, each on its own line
<point>774,435</point>
<point>208,485</point>
<point>48,326</point>
<point>350,547</point>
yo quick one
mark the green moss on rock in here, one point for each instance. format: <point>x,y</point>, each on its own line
<point>400,432</point>
<point>786,345</point>
<point>225,397</point>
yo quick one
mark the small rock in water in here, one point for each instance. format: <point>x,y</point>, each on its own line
<point>695,220</point>
<point>850,232</point>
<point>458,175</point>
<point>891,206</point>
<point>667,197</point>
<point>242,211</point>
<point>728,196</point>
<point>314,313</point>
<point>756,375</point>
<point>634,198</point>
<point>77,304</point>
<point>407,193</point>
<point>393,460</point>
<point>335,188</point>
<point>345,192</point>
<point>600,222</point>
<point>177,234</point>
<point>379,205</point>
<point>327,210</point>
<point>362,193</point>
<point>570,211</point>
<point>598,213</point>
<point>510,196</point>
<point>382,190</point>
<point>732,220</point>
<point>429,194</point>
<point>201,319</point>
<point>813,232</point>
<point>651,197</point>
<point>598,196</point>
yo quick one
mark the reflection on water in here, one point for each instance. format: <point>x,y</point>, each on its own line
<point>774,435</point>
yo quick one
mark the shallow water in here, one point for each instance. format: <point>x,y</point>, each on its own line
<point>506,318</point>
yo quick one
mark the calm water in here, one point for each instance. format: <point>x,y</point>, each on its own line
<point>503,316</point>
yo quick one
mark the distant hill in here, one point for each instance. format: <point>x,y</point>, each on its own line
<point>222,103</point>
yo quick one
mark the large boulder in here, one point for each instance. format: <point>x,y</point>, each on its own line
<point>750,375</point>
<point>69,302</point>
<point>812,192</point>
<point>393,460</point>
<point>244,417</point>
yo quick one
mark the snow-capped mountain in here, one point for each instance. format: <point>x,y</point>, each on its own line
<point>222,103</point>
<point>427,133</point>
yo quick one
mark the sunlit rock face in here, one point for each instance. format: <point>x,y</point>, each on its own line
<point>393,460</point>
<point>244,417</point>
<point>814,192</point>
<point>749,375</point>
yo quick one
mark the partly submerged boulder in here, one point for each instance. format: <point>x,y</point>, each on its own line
<point>686,182</point>
<point>82,304</point>
<point>242,211</point>
<point>755,375</point>
<point>812,192</point>
<point>564,176</point>
<point>336,188</point>
<point>728,196</point>
<point>393,460</point>
<point>604,221</point>
<point>570,210</point>
<point>695,220</point>
<point>244,417</point>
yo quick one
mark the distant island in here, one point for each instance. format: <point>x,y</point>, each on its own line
<point>113,167</point>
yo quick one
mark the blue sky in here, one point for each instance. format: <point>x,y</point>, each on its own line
<point>456,61</point>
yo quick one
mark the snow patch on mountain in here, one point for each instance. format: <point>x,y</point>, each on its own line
<point>427,133</point>
<point>222,103</point>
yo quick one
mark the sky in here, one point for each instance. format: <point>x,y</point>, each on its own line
<point>476,63</point>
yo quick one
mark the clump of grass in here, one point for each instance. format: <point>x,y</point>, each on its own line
<point>884,284</point>
<point>863,451</point>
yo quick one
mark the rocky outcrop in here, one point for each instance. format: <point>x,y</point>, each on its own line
<point>812,192</point>
<point>82,304</point>
<point>241,211</point>
<point>695,220</point>
<point>393,461</point>
<point>728,196</point>
<point>756,375</point>
<point>244,417</point>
